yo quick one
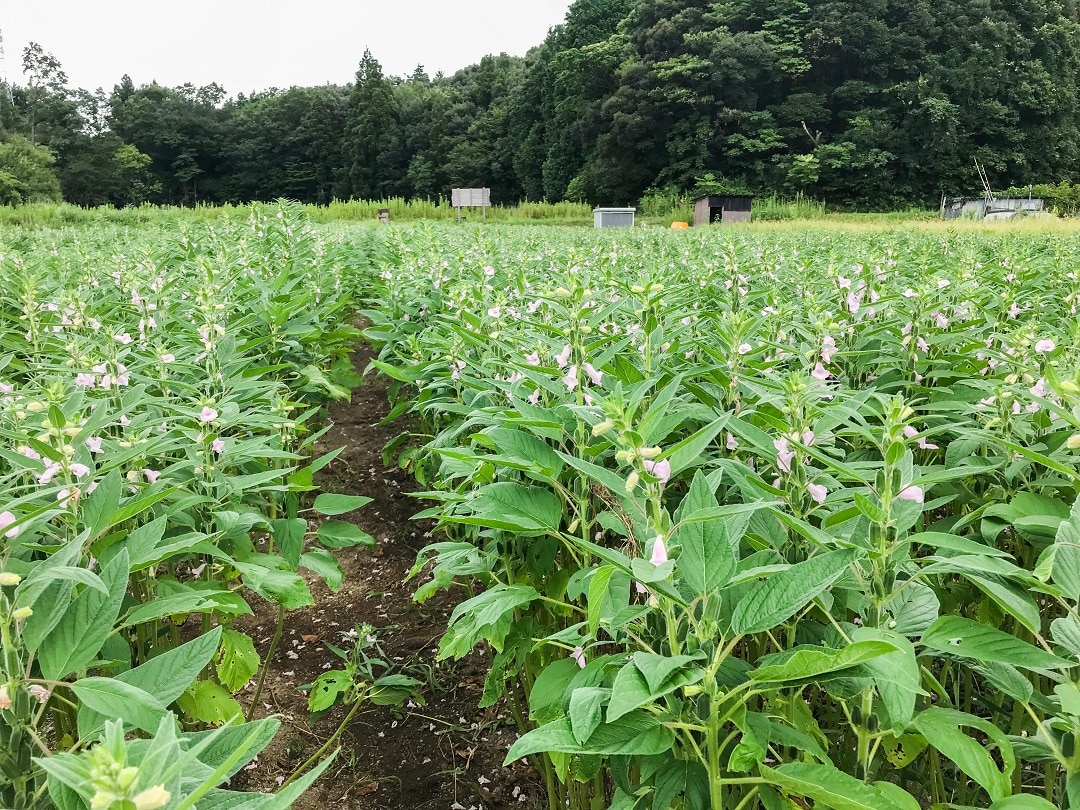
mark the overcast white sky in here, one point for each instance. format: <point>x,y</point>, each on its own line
<point>248,46</point>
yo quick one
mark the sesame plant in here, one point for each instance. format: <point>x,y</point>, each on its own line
<point>161,393</point>
<point>754,519</point>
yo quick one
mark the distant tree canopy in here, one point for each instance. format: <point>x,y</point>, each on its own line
<point>862,103</point>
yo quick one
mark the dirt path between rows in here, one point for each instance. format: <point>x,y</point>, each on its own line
<point>446,754</point>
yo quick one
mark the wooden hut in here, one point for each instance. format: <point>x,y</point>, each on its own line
<point>723,208</point>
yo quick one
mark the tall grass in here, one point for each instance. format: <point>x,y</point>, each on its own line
<point>401,210</point>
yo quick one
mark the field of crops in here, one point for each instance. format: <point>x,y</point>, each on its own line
<point>743,518</point>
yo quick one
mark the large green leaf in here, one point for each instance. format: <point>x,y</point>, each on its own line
<point>1065,568</point>
<point>114,698</point>
<point>830,787</point>
<point>965,638</point>
<point>943,729</point>
<point>896,675</point>
<point>513,507</point>
<point>485,617</point>
<point>707,559</point>
<point>813,662</point>
<point>87,622</point>
<point>636,734</point>
<point>786,592</point>
<point>332,504</point>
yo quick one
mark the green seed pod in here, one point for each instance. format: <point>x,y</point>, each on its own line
<point>873,723</point>
<point>857,716</point>
<point>1068,744</point>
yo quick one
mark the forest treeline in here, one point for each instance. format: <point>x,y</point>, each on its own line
<point>862,103</point>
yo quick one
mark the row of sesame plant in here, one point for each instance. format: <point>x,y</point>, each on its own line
<point>160,396</point>
<point>755,519</point>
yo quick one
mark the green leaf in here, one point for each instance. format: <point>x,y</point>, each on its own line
<point>707,558</point>
<point>786,592</point>
<point>1065,569</point>
<point>186,601</point>
<point>812,662</point>
<point>289,539</point>
<point>942,728</point>
<point>686,452</point>
<point>326,690</point>
<point>1023,801</point>
<point>637,734</point>
<point>114,698</point>
<point>87,622</point>
<point>165,676</point>
<point>896,675</point>
<point>658,669</point>
<point>587,711</point>
<point>326,566</point>
<point>280,587</point>
<point>332,504</point>
<point>513,507</point>
<point>485,617</point>
<point>965,638</point>
<point>829,787</point>
<point>340,534</point>
<point>208,702</point>
<point>238,660</point>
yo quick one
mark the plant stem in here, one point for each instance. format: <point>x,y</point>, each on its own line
<point>326,745</point>
<point>266,661</point>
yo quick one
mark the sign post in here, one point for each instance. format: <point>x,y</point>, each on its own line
<point>471,198</point>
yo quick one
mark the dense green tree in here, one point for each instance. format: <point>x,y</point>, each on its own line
<point>373,145</point>
<point>26,172</point>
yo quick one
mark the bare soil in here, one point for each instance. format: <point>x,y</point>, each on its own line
<point>445,754</point>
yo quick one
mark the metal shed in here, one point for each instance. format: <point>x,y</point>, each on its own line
<point>995,208</point>
<point>613,217</point>
<point>723,208</point>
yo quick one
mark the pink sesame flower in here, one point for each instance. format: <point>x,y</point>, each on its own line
<point>784,454</point>
<point>533,359</point>
<point>489,271</point>
<point>124,421</point>
<point>659,551</point>
<point>151,475</point>
<point>579,655</point>
<point>596,377</point>
<point>1045,346</point>
<point>5,698</point>
<point>808,437</point>
<point>820,373</point>
<point>208,414</point>
<point>29,452</point>
<point>732,442</point>
<point>911,493</point>
<point>745,348</point>
<point>661,469</point>
<point>817,492</point>
<point>39,693</point>
<point>494,312</point>
<point>168,358</point>
<point>124,338</point>
<point>51,469</point>
<point>84,380</point>
<point>6,519</point>
<point>1039,389</point>
<point>922,344</point>
<point>563,357</point>
<point>828,348</point>
<point>1014,310</point>
<point>845,283</point>
<point>79,470</point>
<point>218,446</point>
<point>534,397</point>
<point>94,443</point>
<point>570,380</point>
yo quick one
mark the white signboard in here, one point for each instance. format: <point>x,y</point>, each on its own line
<point>470,197</point>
